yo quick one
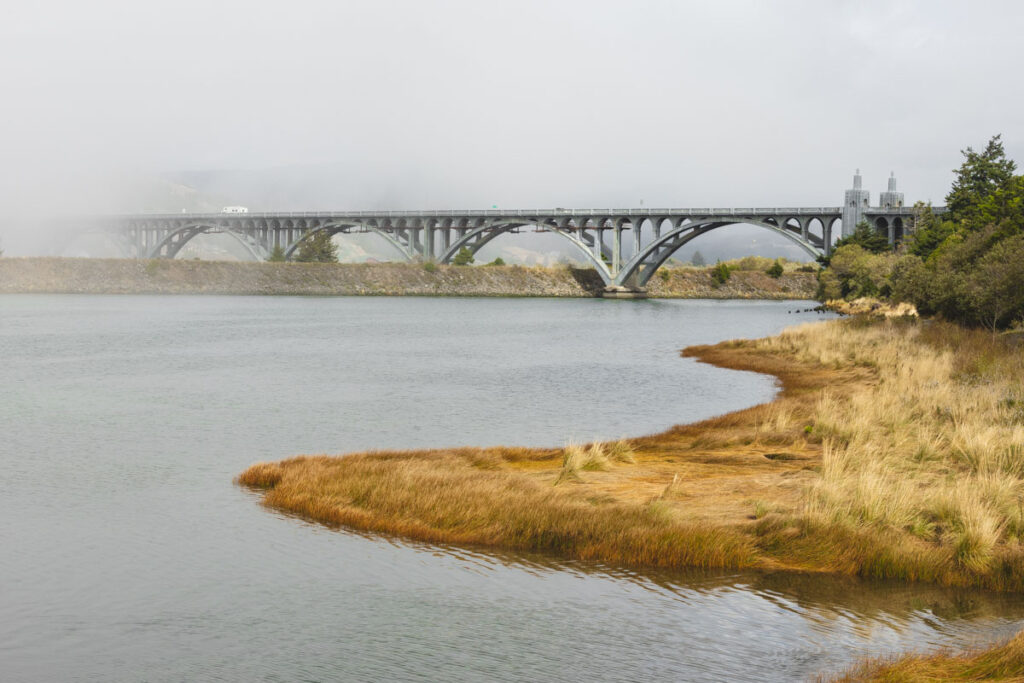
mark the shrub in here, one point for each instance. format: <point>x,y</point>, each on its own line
<point>463,258</point>
<point>277,255</point>
<point>721,273</point>
<point>751,263</point>
<point>497,262</point>
<point>664,275</point>
<point>776,270</point>
<point>430,266</point>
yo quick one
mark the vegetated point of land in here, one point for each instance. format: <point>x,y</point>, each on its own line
<point>895,449</point>
<point>160,276</point>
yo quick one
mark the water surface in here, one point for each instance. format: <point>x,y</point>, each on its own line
<point>129,555</point>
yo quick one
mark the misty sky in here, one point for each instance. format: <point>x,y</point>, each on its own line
<point>469,104</point>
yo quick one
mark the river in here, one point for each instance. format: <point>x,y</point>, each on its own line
<point>127,554</point>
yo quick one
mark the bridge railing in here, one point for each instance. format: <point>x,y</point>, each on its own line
<point>523,213</point>
<point>490,213</point>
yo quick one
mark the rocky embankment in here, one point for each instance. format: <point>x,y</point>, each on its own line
<point>129,276</point>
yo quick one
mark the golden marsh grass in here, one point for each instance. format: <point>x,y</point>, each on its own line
<point>1004,662</point>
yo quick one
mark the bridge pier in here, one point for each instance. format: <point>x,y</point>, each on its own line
<point>620,292</point>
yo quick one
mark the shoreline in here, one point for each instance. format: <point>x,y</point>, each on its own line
<point>57,275</point>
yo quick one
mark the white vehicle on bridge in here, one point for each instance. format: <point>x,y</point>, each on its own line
<point>235,209</point>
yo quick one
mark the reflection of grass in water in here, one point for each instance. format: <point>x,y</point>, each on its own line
<point>894,451</point>
<point>1004,662</point>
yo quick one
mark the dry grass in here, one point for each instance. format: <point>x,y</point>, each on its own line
<point>895,449</point>
<point>1004,662</point>
<point>466,497</point>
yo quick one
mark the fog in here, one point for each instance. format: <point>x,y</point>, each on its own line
<point>128,106</point>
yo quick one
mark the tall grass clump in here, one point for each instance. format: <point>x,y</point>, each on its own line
<point>1000,662</point>
<point>926,451</point>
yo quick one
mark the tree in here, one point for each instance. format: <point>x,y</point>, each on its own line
<point>277,255</point>
<point>463,258</point>
<point>928,231</point>
<point>866,238</point>
<point>995,287</point>
<point>980,175</point>
<point>319,248</point>
<point>775,270</point>
<point>855,272</point>
<point>497,262</point>
<point>698,259</point>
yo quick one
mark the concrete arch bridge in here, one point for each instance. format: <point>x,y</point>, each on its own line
<point>625,246</point>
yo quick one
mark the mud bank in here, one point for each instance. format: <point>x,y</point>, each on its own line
<point>130,276</point>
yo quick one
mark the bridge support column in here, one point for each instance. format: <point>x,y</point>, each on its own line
<point>414,242</point>
<point>826,236</point>
<point>636,235</point>
<point>616,249</point>
<point>428,242</point>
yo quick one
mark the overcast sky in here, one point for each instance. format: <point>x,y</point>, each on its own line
<point>467,104</point>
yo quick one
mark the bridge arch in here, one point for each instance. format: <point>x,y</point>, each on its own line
<point>475,239</point>
<point>173,242</point>
<point>336,227</point>
<point>654,255</point>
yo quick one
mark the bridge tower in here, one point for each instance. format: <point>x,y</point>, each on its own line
<point>891,199</point>
<point>855,202</point>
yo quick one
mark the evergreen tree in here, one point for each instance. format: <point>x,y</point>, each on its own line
<point>775,270</point>
<point>463,258</point>
<point>698,259</point>
<point>980,175</point>
<point>277,255</point>
<point>318,248</point>
<point>866,238</point>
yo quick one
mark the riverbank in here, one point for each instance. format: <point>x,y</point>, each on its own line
<point>893,450</point>
<point>130,276</point>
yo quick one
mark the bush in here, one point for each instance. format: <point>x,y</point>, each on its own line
<point>721,272</point>
<point>497,262</point>
<point>751,263</point>
<point>463,258</point>
<point>856,272</point>
<point>664,275</point>
<point>430,266</point>
<point>277,255</point>
<point>776,270</point>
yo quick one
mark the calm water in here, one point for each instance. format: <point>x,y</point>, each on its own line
<point>127,554</point>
